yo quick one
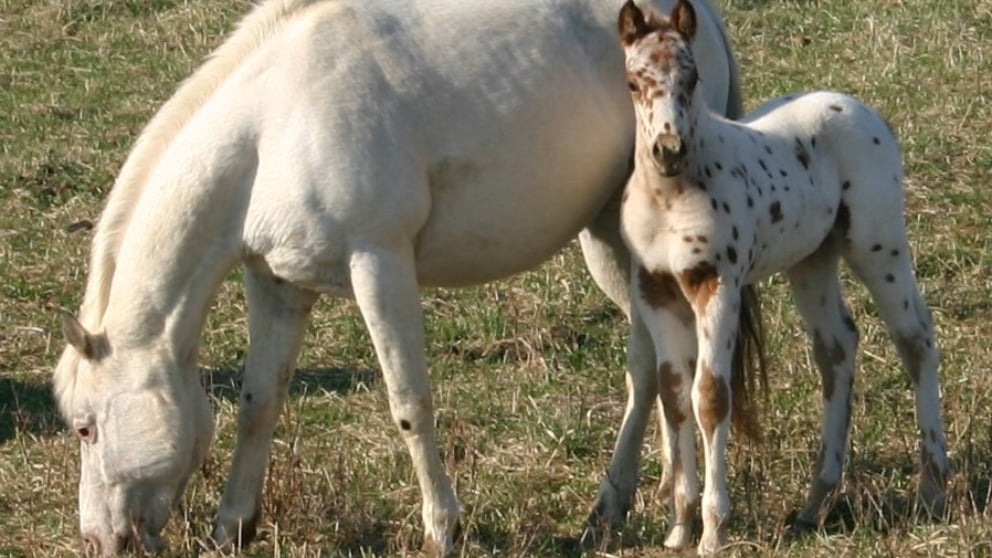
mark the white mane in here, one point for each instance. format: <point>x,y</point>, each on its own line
<point>192,94</point>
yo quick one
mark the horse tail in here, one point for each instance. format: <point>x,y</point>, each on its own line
<point>749,367</point>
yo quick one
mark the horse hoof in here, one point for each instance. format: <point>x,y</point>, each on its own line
<point>234,534</point>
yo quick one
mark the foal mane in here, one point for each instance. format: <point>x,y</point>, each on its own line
<point>257,27</point>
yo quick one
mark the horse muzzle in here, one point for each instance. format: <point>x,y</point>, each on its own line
<point>669,154</point>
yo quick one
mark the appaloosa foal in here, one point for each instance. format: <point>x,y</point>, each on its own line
<point>714,205</point>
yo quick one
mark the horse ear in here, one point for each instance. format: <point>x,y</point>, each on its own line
<point>631,25</point>
<point>684,19</point>
<point>91,346</point>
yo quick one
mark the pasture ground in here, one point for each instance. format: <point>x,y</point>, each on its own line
<point>527,372</point>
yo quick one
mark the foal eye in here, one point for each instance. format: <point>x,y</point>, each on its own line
<point>632,86</point>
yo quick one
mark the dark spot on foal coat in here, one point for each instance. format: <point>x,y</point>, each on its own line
<point>775,210</point>
<point>802,155</point>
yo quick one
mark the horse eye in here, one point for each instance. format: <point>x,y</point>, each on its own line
<point>632,86</point>
<point>86,430</point>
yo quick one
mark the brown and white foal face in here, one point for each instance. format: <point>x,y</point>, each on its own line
<point>662,78</point>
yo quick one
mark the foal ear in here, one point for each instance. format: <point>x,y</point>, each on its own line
<point>684,19</point>
<point>91,346</point>
<point>631,24</point>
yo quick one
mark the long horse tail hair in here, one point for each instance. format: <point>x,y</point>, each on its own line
<point>749,367</point>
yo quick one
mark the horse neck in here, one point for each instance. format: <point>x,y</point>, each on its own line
<point>172,117</point>
<point>182,239</point>
<point>708,123</point>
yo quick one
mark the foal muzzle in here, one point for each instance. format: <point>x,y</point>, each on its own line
<point>669,154</point>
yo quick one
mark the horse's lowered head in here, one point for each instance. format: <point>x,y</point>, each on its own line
<point>662,77</point>
<point>144,428</point>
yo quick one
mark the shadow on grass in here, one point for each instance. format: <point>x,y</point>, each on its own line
<point>895,508</point>
<point>225,383</point>
<point>27,408</point>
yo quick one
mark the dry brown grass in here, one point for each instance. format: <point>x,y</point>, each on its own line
<point>527,372</point>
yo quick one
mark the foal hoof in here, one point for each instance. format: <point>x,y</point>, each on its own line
<point>932,496</point>
<point>600,531</point>
<point>442,549</point>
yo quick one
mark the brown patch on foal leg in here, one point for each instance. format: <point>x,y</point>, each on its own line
<point>669,388</point>
<point>658,288</point>
<point>714,400</point>
<point>699,283</point>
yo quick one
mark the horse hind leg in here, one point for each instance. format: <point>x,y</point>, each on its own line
<point>817,291</point>
<point>881,259</point>
<point>616,490</point>
<point>277,317</point>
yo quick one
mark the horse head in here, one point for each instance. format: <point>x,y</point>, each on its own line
<point>662,78</point>
<point>141,436</point>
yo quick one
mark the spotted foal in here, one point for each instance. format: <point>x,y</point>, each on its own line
<point>714,205</point>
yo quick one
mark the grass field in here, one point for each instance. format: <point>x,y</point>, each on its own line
<point>527,372</point>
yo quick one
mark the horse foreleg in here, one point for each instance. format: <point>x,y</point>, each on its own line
<point>277,316</point>
<point>670,322</point>
<point>385,286</point>
<point>716,307</point>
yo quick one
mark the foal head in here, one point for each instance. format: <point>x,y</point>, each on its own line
<point>662,78</point>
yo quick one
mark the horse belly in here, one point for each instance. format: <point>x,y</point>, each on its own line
<point>490,222</point>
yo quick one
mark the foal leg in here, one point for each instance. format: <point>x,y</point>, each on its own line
<point>717,308</point>
<point>277,316</point>
<point>817,290</point>
<point>669,319</point>
<point>885,266</point>
<point>385,285</point>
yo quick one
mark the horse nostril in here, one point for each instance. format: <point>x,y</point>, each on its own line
<point>656,151</point>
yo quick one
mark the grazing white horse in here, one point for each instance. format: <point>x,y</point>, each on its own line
<point>354,149</point>
<point>714,205</point>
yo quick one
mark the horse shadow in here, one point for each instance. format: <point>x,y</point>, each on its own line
<point>224,383</point>
<point>895,509</point>
<point>27,407</point>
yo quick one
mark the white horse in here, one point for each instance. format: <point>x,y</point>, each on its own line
<point>714,205</point>
<point>354,149</point>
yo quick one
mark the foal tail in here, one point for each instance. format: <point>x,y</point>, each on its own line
<point>749,366</point>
